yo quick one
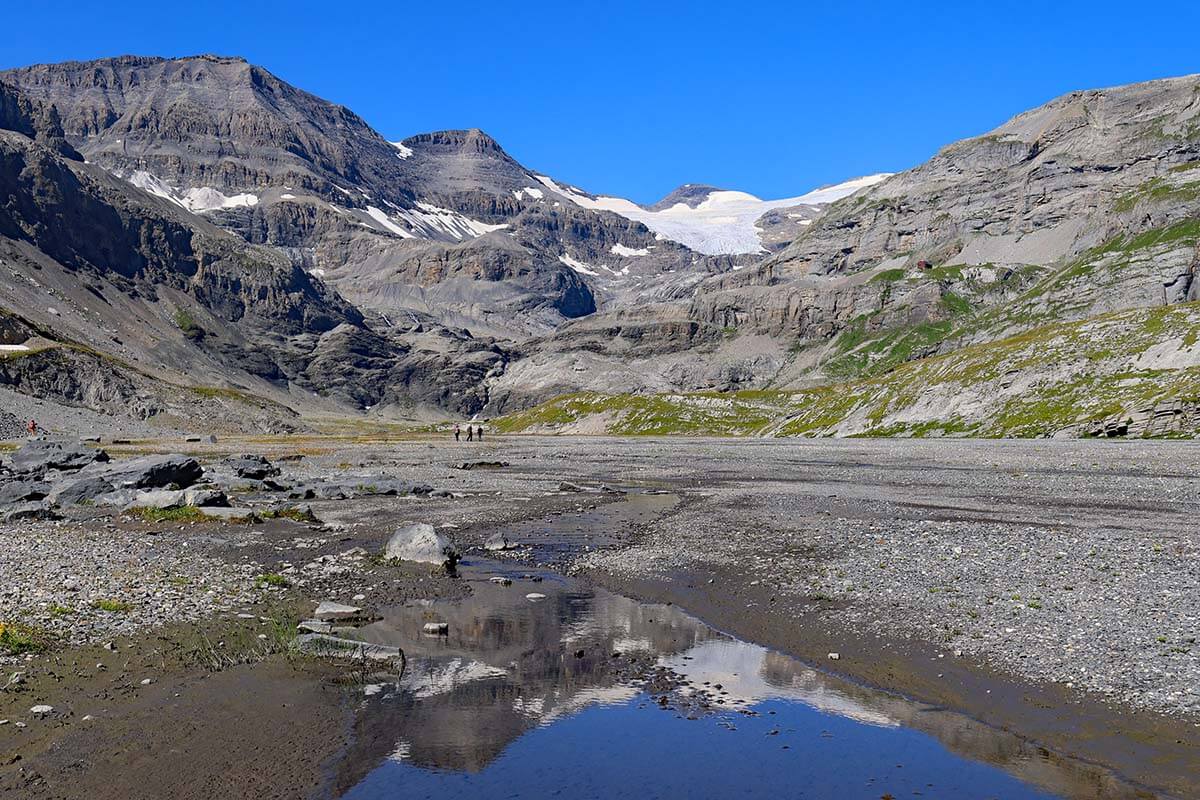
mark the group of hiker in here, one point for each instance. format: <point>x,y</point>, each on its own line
<point>472,433</point>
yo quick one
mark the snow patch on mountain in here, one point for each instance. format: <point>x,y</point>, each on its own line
<point>536,194</point>
<point>629,252</point>
<point>197,200</point>
<point>428,221</point>
<point>578,266</point>
<point>380,216</point>
<point>405,152</point>
<point>723,224</point>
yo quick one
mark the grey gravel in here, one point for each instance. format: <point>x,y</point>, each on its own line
<point>53,573</point>
<point>1069,562</point>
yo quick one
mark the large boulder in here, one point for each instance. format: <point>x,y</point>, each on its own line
<point>149,472</point>
<point>38,455</point>
<point>419,542</point>
<point>37,509</point>
<point>20,491</point>
<point>79,489</point>
<point>249,466</point>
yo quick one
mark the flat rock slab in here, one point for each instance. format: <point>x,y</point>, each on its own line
<point>159,499</point>
<point>320,644</point>
<point>328,611</point>
<point>39,455</point>
<point>229,514</point>
<point>314,626</point>
<point>149,472</point>
<point>36,509</point>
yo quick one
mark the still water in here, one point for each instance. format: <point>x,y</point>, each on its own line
<point>563,696</point>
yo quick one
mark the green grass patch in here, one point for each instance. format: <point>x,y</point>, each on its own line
<point>17,638</point>
<point>888,276</point>
<point>273,579</point>
<point>187,324</point>
<point>180,514</point>
<point>111,606</point>
<point>1086,371</point>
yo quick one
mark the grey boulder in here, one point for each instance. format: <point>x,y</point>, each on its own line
<point>419,542</point>
<point>250,466</point>
<point>498,541</point>
<point>38,509</point>
<point>149,472</point>
<point>39,455</point>
<point>80,489</point>
<point>20,491</point>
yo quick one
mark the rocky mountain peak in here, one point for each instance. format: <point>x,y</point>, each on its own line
<point>690,194</point>
<point>472,140</point>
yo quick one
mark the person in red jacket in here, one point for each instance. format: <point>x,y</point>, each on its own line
<point>32,427</point>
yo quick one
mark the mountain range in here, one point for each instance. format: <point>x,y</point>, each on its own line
<point>194,237</point>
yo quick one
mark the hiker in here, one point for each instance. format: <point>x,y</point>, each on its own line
<point>457,433</point>
<point>470,434</point>
<point>479,432</point>
<point>32,427</point>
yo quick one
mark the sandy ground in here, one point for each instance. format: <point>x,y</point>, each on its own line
<point>938,570</point>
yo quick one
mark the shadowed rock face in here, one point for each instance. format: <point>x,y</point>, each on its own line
<point>315,181</point>
<point>166,291</point>
<point>35,120</point>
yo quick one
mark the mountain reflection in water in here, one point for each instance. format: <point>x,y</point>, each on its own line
<point>470,709</point>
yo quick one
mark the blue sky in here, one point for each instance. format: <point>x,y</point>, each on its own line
<point>634,98</point>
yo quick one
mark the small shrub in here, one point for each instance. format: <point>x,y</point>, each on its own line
<point>112,606</point>
<point>185,323</point>
<point>17,638</point>
<point>273,579</point>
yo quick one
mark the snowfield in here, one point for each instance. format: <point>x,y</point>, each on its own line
<point>428,221</point>
<point>723,224</point>
<point>578,266</point>
<point>197,200</point>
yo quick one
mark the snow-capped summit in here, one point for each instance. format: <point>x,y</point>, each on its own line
<point>710,221</point>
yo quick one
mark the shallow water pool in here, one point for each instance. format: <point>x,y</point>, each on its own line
<point>582,693</point>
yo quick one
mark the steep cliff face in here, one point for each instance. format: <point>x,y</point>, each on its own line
<point>213,121</point>
<point>95,263</point>
<point>35,120</point>
<point>1048,185</point>
<point>1080,207</point>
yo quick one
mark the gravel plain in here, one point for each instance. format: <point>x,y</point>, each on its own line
<point>1076,563</point>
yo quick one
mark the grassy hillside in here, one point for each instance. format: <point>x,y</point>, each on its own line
<point>1052,379</point>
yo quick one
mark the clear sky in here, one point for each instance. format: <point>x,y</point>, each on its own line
<point>635,98</point>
